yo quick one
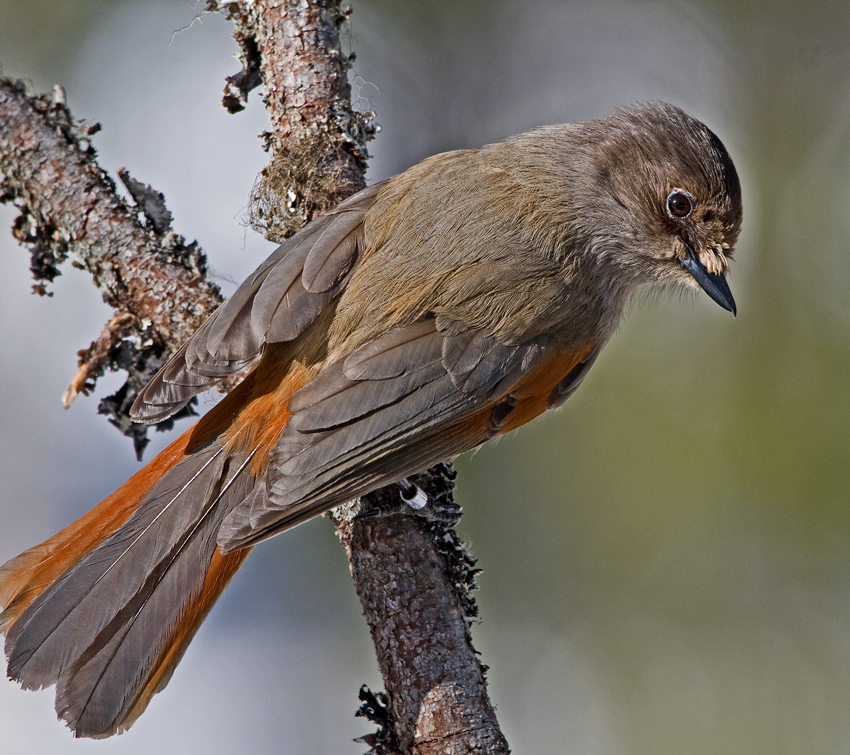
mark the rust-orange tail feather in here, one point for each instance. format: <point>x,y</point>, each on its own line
<point>24,578</point>
<point>106,608</point>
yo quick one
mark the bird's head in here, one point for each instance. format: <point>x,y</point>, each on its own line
<point>674,193</point>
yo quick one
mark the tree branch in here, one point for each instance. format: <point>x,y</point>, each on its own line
<point>414,578</point>
<point>154,280</point>
<point>318,141</point>
<point>415,581</point>
<point>414,596</point>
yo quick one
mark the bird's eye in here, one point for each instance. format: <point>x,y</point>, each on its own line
<point>680,204</point>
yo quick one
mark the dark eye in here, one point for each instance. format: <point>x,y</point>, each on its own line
<point>680,204</point>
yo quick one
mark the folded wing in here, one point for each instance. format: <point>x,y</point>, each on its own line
<point>277,303</point>
<point>400,403</point>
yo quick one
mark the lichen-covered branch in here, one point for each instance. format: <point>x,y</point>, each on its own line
<point>318,141</point>
<point>413,578</point>
<point>415,582</point>
<point>151,276</point>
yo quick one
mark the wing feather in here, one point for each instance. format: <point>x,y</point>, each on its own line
<point>384,411</point>
<point>275,304</point>
<point>333,255</point>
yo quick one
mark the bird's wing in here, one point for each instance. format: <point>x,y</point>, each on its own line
<point>277,303</point>
<point>400,403</point>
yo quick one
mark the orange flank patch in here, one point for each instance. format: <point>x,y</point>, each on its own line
<point>532,392</point>
<point>529,398</point>
<point>261,420</point>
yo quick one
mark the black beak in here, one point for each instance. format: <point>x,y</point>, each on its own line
<point>713,284</point>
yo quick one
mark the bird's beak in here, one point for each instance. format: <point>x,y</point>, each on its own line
<point>714,284</point>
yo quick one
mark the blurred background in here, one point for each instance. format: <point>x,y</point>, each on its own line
<point>666,559</point>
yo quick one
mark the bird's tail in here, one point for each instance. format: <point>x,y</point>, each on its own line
<point>106,608</point>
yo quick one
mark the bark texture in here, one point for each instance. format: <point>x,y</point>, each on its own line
<point>415,581</point>
<point>151,276</point>
<point>317,141</point>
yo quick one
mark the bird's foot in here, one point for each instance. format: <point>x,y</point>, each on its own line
<point>413,500</point>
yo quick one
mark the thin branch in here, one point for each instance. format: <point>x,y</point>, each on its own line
<point>417,604</point>
<point>151,276</point>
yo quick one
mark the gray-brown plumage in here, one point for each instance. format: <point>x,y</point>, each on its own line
<point>421,317</point>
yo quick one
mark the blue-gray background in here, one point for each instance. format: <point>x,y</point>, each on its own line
<point>666,560</point>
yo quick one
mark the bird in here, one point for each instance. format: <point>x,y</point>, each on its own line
<point>419,318</point>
